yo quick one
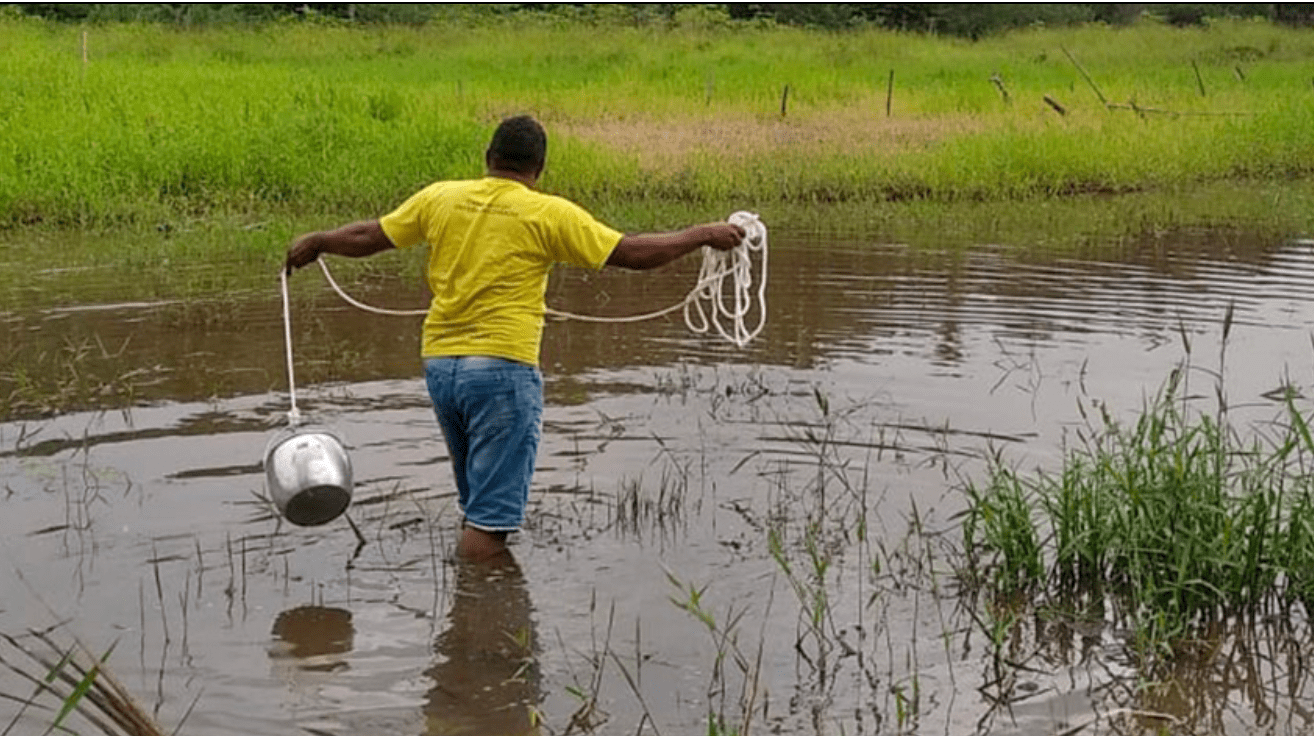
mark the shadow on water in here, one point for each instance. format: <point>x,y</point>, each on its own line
<point>801,492</point>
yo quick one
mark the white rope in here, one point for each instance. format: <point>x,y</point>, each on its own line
<point>705,307</point>
<point>362,305</point>
<point>293,414</point>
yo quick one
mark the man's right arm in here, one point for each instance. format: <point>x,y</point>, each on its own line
<point>355,240</point>
<point>641,252</point>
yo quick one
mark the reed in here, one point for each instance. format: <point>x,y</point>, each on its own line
<point>1173,522</point>
<point>78,682</point>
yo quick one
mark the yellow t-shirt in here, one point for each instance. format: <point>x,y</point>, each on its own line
<point>492,243</point>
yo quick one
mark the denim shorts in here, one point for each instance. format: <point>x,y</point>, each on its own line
<point>490,411</point>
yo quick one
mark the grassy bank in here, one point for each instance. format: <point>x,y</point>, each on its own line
<point>209,257</point>
<point>133,126</point>
<point>202,257</point>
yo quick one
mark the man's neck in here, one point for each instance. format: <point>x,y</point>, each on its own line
<point>528,180</point>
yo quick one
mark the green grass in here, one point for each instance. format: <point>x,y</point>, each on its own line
<point>1170,523</point>
<point>290,118</point>
<point>178,163</point>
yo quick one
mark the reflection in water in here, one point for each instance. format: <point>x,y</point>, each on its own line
<point>1261,662</point>
<point>312,639</point>
<point>485,680</point>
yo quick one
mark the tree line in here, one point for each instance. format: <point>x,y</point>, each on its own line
<point>969,20</point>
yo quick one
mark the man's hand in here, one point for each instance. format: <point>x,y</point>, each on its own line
<point>356,240</point>
<point>303,252</point>
<point>722,235</point>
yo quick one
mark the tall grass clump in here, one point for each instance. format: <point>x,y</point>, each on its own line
<point>1163,525</point>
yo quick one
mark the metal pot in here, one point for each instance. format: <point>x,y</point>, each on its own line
<point>308,474</point>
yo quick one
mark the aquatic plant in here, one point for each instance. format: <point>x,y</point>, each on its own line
<point>78,681</point>
<point>725,641</point>
<point>1171,523</point>
<point>82,372</point>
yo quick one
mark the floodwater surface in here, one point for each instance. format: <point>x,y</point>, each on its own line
<point>764,535</point>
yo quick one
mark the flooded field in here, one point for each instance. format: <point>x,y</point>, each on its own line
<point>767,537</point>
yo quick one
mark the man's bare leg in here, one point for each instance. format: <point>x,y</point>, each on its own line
<point>477,545</point>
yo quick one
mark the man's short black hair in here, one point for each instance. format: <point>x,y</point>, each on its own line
<point>519,144</point>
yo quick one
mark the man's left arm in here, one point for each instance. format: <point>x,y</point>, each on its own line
<point>354,240</point>
<point>641,252</point>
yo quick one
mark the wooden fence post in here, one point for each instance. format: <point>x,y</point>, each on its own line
<point>889,93</point>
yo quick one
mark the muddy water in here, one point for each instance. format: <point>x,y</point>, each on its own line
<point>647,583</point>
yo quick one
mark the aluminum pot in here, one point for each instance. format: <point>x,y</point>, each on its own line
<point>308,474</point>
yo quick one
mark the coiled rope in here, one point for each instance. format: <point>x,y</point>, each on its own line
<point>705,307</point>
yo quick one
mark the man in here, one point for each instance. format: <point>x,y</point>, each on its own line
<point>492,242</point>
